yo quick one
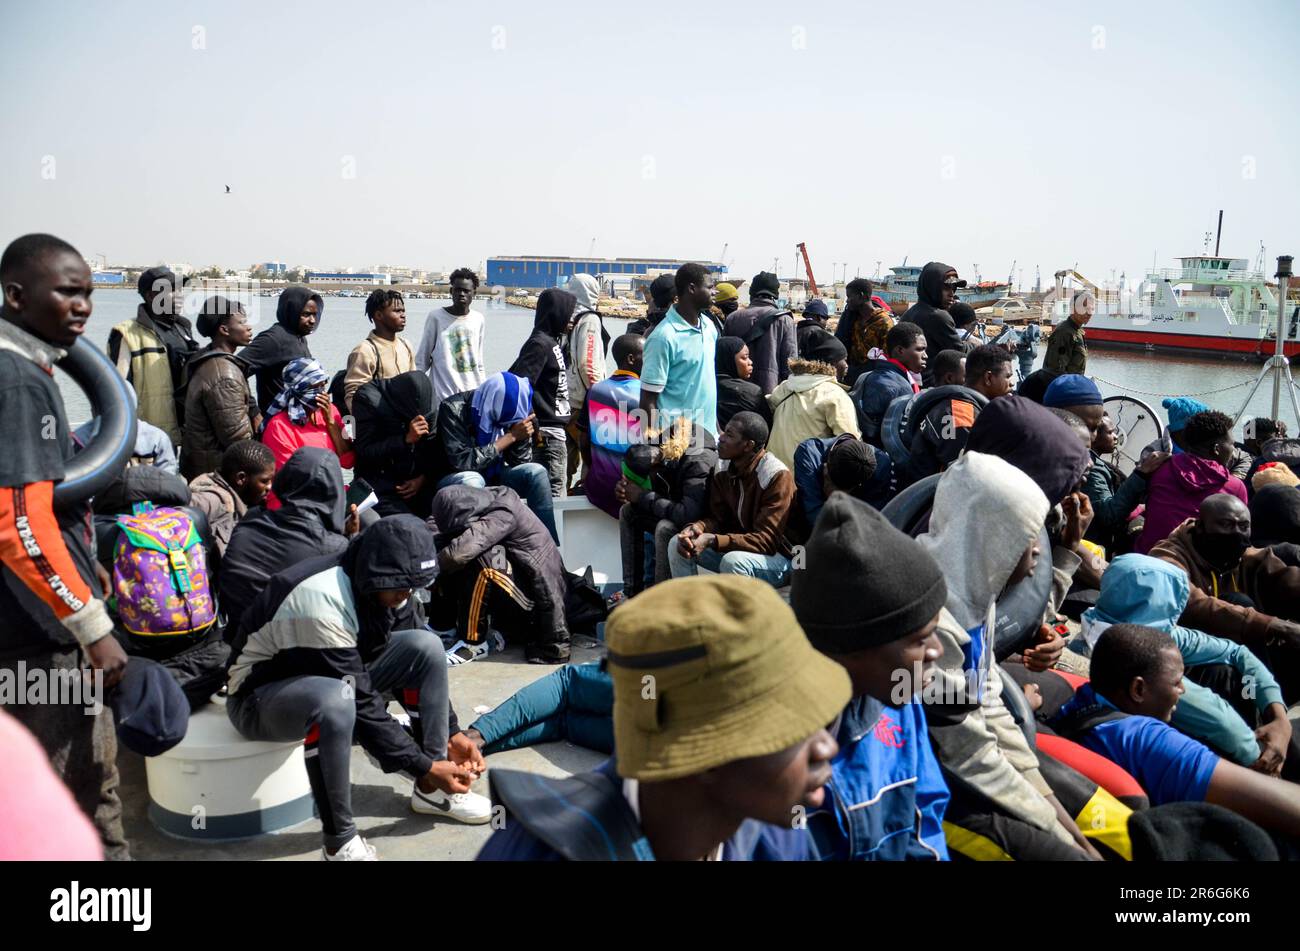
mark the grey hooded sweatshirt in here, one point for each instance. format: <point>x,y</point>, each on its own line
<point>587,341</point>
<point>986,513</point>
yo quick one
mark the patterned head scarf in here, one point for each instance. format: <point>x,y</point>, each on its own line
<point>302,378</point>
<point>502,400</point>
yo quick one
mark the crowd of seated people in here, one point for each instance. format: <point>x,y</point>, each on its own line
<point>917,688</point>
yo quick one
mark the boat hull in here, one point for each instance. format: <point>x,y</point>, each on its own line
<point>1242,347</point>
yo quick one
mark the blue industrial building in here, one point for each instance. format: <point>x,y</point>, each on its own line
<point>108,277</point>
<point>541,272</point>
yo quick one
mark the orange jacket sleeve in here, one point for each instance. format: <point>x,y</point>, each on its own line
<point>32,547</point>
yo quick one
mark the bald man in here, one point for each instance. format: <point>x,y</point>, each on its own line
<point>1243,593</point>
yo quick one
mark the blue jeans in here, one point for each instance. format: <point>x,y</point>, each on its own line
<point>1026,362</point>
<point>575,703</point>
<point>774,569</point>
<point>530,482</point>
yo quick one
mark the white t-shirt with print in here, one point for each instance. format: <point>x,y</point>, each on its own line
<point>451,352</point>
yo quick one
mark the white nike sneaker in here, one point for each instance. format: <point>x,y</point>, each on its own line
<point>470,808</point>
<point>356,849</point>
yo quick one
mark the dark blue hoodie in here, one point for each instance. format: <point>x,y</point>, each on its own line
<point>928,314</point>
<point>589,818</point>
<point>348,628</point>
<point>275,346</point>
<point>541,358</point>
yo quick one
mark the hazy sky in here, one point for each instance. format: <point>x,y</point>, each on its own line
<point>437,134</point>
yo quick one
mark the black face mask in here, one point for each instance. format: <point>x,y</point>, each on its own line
<point>1223,552</point>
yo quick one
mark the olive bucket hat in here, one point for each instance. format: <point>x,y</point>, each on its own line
<point>710,670</point>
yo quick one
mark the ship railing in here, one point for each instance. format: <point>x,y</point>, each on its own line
<point>1204,276</point>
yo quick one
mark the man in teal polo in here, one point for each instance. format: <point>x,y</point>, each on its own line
<point>677,376</point>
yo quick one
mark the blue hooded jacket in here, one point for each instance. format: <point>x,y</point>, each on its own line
<point>808,459</point>
<point>873,392</point>
<point>597,833</point>
<point>1137,589</point>
<point>886,798</point>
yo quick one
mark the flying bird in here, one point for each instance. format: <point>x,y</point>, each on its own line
<point>227,189</point>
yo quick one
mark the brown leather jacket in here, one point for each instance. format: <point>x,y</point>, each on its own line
<point>749,506</point>
<point>1260,576</point>
<point>217,411</point>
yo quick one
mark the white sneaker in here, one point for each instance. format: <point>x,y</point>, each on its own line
<point>465,653</point>
<point>467,807</point>
<point>356,849</point>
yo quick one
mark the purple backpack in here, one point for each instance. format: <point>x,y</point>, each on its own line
<point>160,575</point>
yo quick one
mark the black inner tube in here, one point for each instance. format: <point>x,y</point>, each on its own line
<point>113,401</point>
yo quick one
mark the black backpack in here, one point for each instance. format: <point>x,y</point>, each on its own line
<point>584,604</point>
<point>763,324</point>
<point>1282,450</point>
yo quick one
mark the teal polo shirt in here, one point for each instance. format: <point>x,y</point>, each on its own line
<point>679,366</point>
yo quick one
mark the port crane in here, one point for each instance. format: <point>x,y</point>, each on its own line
<point>812,283</point>
<point>1058,291</point>
<point>1071,272</point>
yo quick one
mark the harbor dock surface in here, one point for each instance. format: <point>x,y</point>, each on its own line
<point>381,802</point>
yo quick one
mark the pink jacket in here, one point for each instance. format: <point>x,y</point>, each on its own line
<point>1176,492</point>
<point>283,438</point>
<point>41,819</point>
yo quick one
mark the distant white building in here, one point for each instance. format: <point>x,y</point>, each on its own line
<point>349,277</point>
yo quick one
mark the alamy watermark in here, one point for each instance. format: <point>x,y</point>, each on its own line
<point>21,685</point>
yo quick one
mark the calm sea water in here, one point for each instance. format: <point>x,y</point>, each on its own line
<point>344,325</point>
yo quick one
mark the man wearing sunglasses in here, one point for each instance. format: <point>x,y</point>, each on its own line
<point>936,289</point>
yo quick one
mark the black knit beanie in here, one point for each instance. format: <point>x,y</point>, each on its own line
<point>827,349</point>
<point>863,582</point>
<point>765,282</point>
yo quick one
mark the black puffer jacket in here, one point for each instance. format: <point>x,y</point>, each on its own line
<point>216,410</point>
<point>468,522</point>
<point>275,346</point>
<point>928,314</point>
<point>458,449</point>
<point>679,488</point>
<point>308,523</point>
